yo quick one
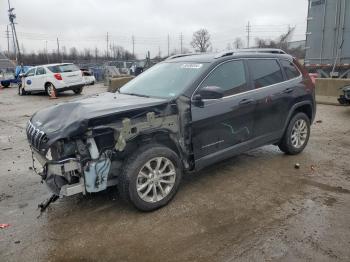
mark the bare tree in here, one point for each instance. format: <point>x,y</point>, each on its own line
<point>201,40</point>
<point>238,43</point>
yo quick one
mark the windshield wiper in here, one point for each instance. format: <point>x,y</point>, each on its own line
<point>132,94</point>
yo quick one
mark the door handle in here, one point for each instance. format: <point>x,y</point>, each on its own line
<point>288,90</point>
<point>246,101</point>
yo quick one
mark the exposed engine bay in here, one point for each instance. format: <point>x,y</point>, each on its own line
<point>91,164</point>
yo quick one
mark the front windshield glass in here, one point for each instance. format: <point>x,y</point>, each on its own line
<point>164,80</point>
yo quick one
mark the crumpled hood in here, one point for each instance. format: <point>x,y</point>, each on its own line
<point>72,118</point>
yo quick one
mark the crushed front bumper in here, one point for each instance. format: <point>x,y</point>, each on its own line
<point>92,178</point>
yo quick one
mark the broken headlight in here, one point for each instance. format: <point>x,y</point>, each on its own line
<point>62,149</point>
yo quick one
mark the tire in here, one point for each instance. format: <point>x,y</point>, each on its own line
<point>132,185</point>
<point>50,88</point>
<point>22,92</point>
<point>78,91</point>
<point>5,84</point>
<point>296,135</point>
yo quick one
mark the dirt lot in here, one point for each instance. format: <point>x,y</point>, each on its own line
<point>254,207</point>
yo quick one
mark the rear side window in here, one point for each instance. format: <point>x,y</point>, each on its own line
<point>265,72</point>
<point>290,69</point>
<point>229,76</point>
<point>63,68</point>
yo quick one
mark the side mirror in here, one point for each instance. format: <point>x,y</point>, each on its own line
<point>21,75</point>
<point>211,92</point>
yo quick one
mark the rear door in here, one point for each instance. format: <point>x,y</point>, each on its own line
<point>223,123</point>
<point>39,79</point>
<point>271,93</point>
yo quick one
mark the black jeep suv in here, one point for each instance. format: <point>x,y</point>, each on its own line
<point>179,116</point>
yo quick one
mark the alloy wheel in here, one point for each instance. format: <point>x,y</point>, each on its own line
<point>156,179</point>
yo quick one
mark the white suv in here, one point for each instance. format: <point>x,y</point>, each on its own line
<point>53,77</point>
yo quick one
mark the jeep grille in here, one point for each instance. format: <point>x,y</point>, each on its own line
<point>35,137</point>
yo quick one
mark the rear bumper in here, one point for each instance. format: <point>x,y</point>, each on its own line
<point>65,88</point>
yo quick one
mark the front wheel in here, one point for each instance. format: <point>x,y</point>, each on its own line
<point>21,91</point>
<point>297,135</point>
<point>151,177</point>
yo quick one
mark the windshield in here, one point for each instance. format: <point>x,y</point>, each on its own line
<point>63,68</point>
<point>164,80</point>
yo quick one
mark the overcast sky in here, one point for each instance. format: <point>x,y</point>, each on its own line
<point>84,23</point>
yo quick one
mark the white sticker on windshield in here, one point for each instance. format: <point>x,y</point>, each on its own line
<point>191,66</point>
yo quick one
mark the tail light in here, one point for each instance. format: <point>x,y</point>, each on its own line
<point>58,76</point>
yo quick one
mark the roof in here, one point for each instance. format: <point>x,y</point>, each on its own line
<point>57,64</point>
<point>239,53</point>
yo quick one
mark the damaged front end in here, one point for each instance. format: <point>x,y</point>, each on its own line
<point>90,162</point>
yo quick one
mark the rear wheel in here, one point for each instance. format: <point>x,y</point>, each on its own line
<point>78,90</point>
<point>50,90</point>
<point>297,135</point>
<point>151,177</point>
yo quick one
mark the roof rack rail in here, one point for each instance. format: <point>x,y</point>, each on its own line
<point>223,54</point>
<point>250,50</point>
<point>181,55</point>
<point>261,50</point>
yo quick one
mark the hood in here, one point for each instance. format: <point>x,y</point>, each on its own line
<point>73,118</point>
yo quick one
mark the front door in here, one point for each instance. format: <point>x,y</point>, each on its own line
<point>219,124</point>
<point>27,81</point>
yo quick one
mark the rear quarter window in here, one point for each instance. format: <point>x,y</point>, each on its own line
<point>63,68</point>
<point>290,69</point>
<point>265,72</point>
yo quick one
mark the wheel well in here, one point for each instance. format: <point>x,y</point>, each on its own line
<point>47,84</point>
<point>162,138</point>
<point>307,109</point>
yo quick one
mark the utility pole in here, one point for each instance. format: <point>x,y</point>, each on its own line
<point>248,29</point>
<point>47,54</point>
<point>133,45</point>
<point>107,46</point>
<point>181,42</point>
<point>168,45</point>
<point>12,18</point>
<point>8,40</point>
<point>58,50</point>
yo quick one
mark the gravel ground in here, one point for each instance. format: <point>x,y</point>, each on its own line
<point>253,207</point>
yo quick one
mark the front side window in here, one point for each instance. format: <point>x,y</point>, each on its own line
<point>31,72</point>
<point>290,69</point>
<point>40,71</point>
<point>265,72</point>
<point>164,80</point>
<point>230,77</point>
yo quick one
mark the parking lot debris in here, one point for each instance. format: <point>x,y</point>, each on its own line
<point>297,166</point>
<point>6,148</point>
<point>2,226</point>
<point>313,168</point>
<point>319,121</point>
<point>44,205</point>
